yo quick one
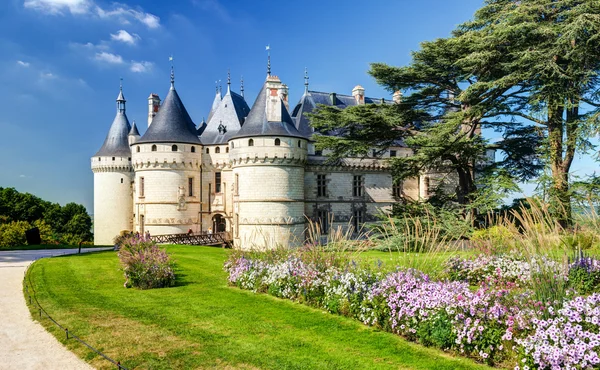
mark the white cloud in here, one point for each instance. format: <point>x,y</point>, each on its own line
<point>22,63</point>
<point>59,6</point>
<point>123,12</point>
<point>22,176</point>
<point>47,75</point>
<point>125,37</point>
<point>141,67</point>
<point>119,11</point>
<point>109,58</point>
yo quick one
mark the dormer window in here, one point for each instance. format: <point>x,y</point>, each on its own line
<point>218,149</point>
<point>174,148</point>
<point>251,142</point>
<point>153,148</point>
<point>193,149</point>
<point>277,142</point>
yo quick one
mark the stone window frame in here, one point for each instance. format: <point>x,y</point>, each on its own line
<point>154,148</point>
<point>174,148</point>
<point>218,150</point>
<point>190,186</point>
<point>218,182</point>
<point>397,189</point>
<point>277,142</point>
<point>322,181</point>
<point>141,188</point>
<point>358,185</point>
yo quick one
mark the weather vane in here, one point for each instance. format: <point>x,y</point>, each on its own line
<point>268,48</point>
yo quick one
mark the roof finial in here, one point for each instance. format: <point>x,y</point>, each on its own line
<point>121,99</point>
<point>217,86</point>
<point>242,86</point>
<point>305,80</point>
<point>268,60</point>
<point>228,79</point>
<point>172,72</point>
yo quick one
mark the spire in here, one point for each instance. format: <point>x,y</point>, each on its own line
<point>242,86</point>
<point>228,80</point>
<point>121,99</point>
<point>172,73</point>
<point>305,81</point>
<point>217,86</point>
<point>268,60</point>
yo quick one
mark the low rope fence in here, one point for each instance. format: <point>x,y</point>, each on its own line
<point>34,302</point>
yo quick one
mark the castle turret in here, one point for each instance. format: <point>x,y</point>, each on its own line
<point>268,155</point>
<point>167,162</point>
<point>134,134</point>
<point>113,175</point>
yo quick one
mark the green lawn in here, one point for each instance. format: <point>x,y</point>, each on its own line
<point>203,323</point>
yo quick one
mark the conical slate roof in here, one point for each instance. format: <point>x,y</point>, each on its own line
<point>306,105</point>
<point>227,119</point>
<point>256,123</point>
<point>116,143</point>
<point>215,105</point>
<point>134,131</point>
<point>171,124</point>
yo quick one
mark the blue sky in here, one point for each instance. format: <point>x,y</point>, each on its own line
<point>61,61</point>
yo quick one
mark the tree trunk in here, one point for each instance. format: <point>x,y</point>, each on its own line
<point>560,198</point>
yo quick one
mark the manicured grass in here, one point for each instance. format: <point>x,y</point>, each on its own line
<point>49,246</point>
<point>431,263</point>
<point>203,323</point>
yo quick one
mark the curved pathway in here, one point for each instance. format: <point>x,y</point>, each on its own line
<point>24,343</point>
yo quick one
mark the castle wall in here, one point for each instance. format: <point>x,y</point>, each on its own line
<point>113,208</point>
<point>268,192</point>
<point>162,203</point>
<point>217,202</point>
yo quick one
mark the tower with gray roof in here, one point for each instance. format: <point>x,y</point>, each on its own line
<point>113,176</point>
<point>268,155</point>
<point>166,160</point>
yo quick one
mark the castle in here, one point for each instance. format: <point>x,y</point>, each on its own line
<point>254,173</point>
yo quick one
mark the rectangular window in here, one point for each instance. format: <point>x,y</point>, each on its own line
<point>357,186</point>
<point>323,220</point>
<point>217,182</point>
<point>397,189</point>
<point>190,186</point>
<point>374,152</point>
<point>321,185</point>
<point>237,184</point>
<point>393,153</point>
<point>357,219</point>
<point>141,186</point>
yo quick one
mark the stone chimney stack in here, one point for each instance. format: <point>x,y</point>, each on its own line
<point>153,106</point>
<point>283,94</point>
<point>397,97</point>
<point>359,94</point>
<point>273,91</point>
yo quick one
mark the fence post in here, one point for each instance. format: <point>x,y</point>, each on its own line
<point>119,364</point>
<point>67,331</point>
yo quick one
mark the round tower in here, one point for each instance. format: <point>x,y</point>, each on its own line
<point>268,155</point>
<point>167,159</point>
<point>113,176</point>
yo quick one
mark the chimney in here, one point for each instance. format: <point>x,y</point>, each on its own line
<point>359,94</point>
<point>153,106</point>
<point>333,98</point>
<point>273,91</point>
<point>283,94</point>
<point>397,97</point>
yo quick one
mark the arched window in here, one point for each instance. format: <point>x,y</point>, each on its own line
<point>232,145</point>
<point>251,142</point>
<point>174,148</point>
<point>277,142</point>
<point>113,158</point>
<point>218,149</point>
<point>137,149</point>
<point>193,149</point>
<point>153,148</point>
<point>207,150</point>
<point>299,144</point>
<point>226,149</point>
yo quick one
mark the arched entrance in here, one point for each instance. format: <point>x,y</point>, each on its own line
<point>219,224</point>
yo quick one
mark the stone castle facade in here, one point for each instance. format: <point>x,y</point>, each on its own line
<point>251,172</point>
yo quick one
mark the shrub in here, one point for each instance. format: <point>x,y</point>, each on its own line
<point>584,274</point>
<point>145,265</point>
<point>13,234</point>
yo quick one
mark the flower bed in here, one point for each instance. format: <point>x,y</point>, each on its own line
<point>494,323</point>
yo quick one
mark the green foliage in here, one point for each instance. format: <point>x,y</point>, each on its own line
<point>70,224</point>
<point>584,281</point>
<point>13,233</point>
<point>437,331</point>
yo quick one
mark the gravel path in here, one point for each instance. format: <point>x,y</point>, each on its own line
<point>24,343</point>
